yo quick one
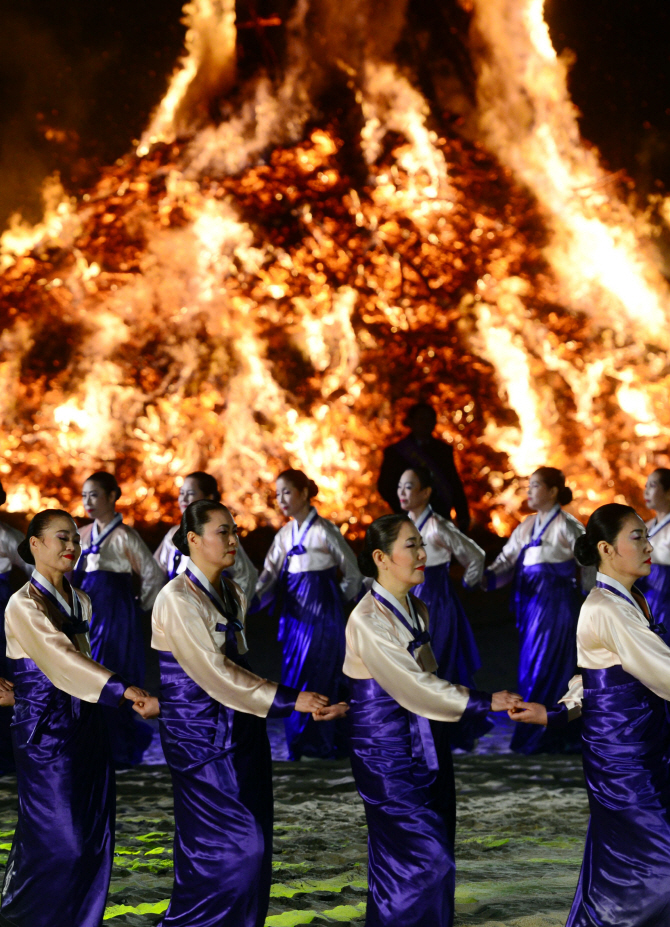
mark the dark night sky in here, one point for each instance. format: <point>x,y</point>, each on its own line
<point>97,69</point>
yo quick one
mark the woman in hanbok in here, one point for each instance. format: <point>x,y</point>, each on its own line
<point>656,586</point>
<point>539,559</point>
<point>113,558</point>
<point>10,538</point>
<point>400,753</point>
<point>60,863</point>
<point>451,637</point>
<point>213,711</point>
<point>300,578</point>
<point>622,692</point>
<point>200,485</point>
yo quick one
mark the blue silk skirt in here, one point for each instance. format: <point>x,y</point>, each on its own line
<point>61,858</point>
<point>311,629</point>
<point>221,772</point>
<point>6,752</point>
<point>625,877</point>
<point>410,810</point>
<point>656,589</point>
<point>547,604</point>
<point>454,646</point>
<point>117,642</point>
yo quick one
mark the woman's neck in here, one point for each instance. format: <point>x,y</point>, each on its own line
<point>211,571</point>
<point>103,520</point>
<point>398,590</point>
<point>55,577</point>
<point>544,510</point>
<point>415,514</point>
<point>300,516</point>
<point>625,579</point>
<point>662,513</point>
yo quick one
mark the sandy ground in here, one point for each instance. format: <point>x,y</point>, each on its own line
<point>521,822</point>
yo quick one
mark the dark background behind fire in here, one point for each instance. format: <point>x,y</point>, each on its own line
<point>78,79</point>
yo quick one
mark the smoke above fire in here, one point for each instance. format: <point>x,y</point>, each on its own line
<point>290,259</point>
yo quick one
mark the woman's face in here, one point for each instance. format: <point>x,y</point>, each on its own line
<point>631,553</point>
<point>217,545</point>
<point>291,500</point>
<point>407,561</point>
<point>540,496</point>
<point>655,497</point>
<point>190,492</point>
<point>97,503</point>
<point>59,547</point>
<point>411,495</point>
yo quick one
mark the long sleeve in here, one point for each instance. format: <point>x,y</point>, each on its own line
<point>31,633</point>
<point>468,553</point>
<point>244,573</point>
<point>501,571</point>
<point>609,633</point>
<point>164,550</point>
<point>152,578</point>
<point>10,538</point>
<point>352,578</point>
<point>180,625</point>
<point>373,646</point>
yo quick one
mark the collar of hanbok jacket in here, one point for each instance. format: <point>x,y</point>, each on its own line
<point>73,622</point>
<point>225,604</point>
<point>423,518</point>
<point>299,532</point>
<point>409,618</point>
<point>657,525</point>
<point>540,525</point>
<point>98,539</point>
<point>603,581</point>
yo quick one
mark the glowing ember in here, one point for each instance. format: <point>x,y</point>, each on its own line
<point>203,307</point>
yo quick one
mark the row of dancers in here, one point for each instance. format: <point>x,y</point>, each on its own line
<point>212,722</point>
<point>311,581</point>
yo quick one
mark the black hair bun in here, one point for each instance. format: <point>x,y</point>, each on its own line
<point>25,553</point>
<point>180,541</point>
<point>564,496</point>
<point>586,553</point>
<point>366,564</point>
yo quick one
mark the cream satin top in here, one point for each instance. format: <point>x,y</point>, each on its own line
<point>660,542</point>
<point>242,572</point>
<point>32,626</point>
<point>183,622</point>
<point>613,632</point>
<point>377,649</point>
<point>326,548</point>
<point>10,538</point>
<point>124,551</point>
<point>443,540</point>
<point>558,544</point>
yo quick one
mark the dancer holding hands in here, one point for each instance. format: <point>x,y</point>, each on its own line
<point>112,554</point>
<point>622,693</point>
<point>656,586</point>
<point>300,576</point>
<point>200,485</point>
<point>539,559</point>
<point>400,759</point>
<point>213,711</point>
<point>60,863</point>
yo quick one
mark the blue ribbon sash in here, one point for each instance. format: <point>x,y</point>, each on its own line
<point>656,627</point>
<point>97,540</point>
<point>224,605</point>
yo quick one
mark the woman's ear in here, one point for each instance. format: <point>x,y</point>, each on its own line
<point>605,549</point>
<point>193,539</point>
<point>379,558</point>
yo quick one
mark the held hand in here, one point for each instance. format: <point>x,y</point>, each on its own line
<point>6,693</point>
<point>132,693</point>
<point>529,713</point>
<point>331,712</point>
<point>148,707</point>
<point>504,700</point>
<point>307,702</point>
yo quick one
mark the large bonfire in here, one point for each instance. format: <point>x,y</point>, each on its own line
<point>294,253</point>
